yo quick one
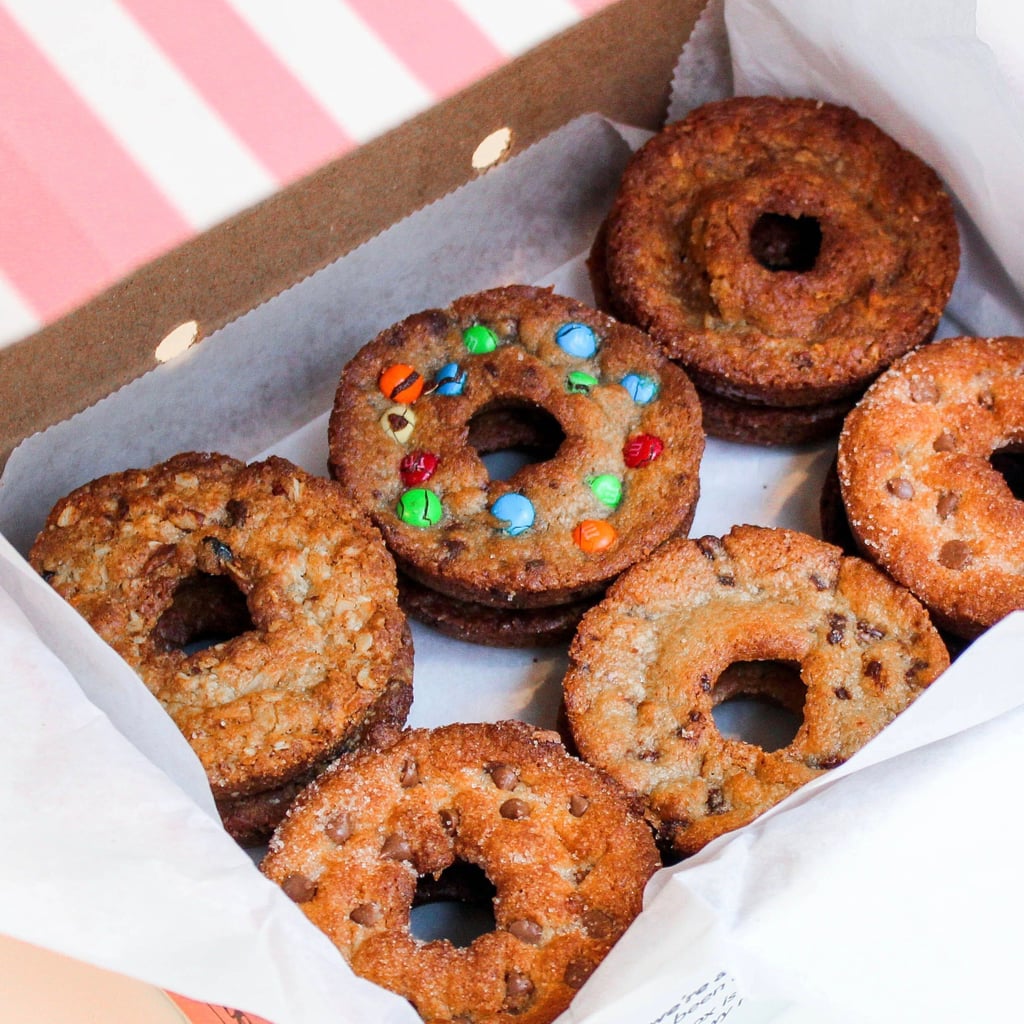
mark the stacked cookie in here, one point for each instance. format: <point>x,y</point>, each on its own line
<point>314,657</point>
<point>616,434</point>
<point>784,252</point>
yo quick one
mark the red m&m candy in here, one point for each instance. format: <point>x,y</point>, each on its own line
<point>641,450</point>
<point>417,467</point>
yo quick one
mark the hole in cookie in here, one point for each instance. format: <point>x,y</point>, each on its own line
<point>509,437</point>
<point>458,905</point>
<point>205,610</point>
<point>781,242</point>
<point>760,702</point>
<point>1009,464</point>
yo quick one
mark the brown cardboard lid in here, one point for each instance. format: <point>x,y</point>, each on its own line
<point>618,62</point>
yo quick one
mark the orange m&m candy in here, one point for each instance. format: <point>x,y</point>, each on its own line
<point>401,383</point>
<point>594,535</point>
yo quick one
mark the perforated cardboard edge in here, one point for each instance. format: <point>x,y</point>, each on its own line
<point>618,62</point>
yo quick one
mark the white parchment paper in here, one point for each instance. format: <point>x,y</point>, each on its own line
<point>118,859</point>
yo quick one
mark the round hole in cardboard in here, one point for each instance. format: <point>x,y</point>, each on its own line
<point>183,337</point>
<point>492,149</point>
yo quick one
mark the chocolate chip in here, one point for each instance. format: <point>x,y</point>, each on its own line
<point>711,547</point>
<point>518,990</point>
<point>366,914</point>
<point>695,716</point>
<point>866,632</point>
<point>597,924</point>
<point>924,389</point>
<point>410,774</point>
<point>578,805</point>
<point>726,579</point>
<point>912,672</point>
<point>831,762</point>
<point>449,820</point>
<point>220,550</point>
<point>705,682</point>
<point>945,442</point>
<point>299,888</point>
<point>237,512</point>
<point>947,504</point>
<point>48,574</point>
<point>715,801</point>
<point>873,670</point>
<point>526,931</point>
<point>339,828</point>
<point>900,488</point>
<point>954,554</point>
<point>396,848</point>
<point>987,399</point>
<point>836,628</point>
<point>842,693</point>
<point>504,776</point>
<point>577,971</point>
<point>817,582</point>
<point>514,809</point>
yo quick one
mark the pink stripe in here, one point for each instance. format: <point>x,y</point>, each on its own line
<point>588,7</point>
<point>243,80</point>
<point>86,212</point>
<point>47,257</point>
<point>434,39</point>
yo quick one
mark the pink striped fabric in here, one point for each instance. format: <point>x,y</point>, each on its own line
<point>435,40</point>
<point>80,207</point>
<point>77,210</point>
<point>244,82</point>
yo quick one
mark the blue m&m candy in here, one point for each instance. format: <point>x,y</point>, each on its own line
<point>577,339</point>
<point>516,511</point>
<point>450,379</point>
<point>641,389</point>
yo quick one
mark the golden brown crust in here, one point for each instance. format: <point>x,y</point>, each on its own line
<point>755,318</point>
<point>922,496</point>
<point>468,554</point>
<point>650,662</point>
<point>565,851</point>
<point>325,657</point>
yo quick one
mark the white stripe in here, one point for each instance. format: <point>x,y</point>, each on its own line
<point>17,320</point>
<point>515,27</point>
<point>340,60</point>
<point>182,145</point>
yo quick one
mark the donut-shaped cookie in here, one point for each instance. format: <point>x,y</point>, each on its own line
<point>566,852</point>
<point>704,620</point>
<point>784,251</point>
<point>317,656</point>
<point>918,472</point>
<point>618,426</point>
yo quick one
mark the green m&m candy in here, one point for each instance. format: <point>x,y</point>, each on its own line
<point>420,507</point>
<point>580,383</point>
<point>607,489</point>
<point>479,339</point>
